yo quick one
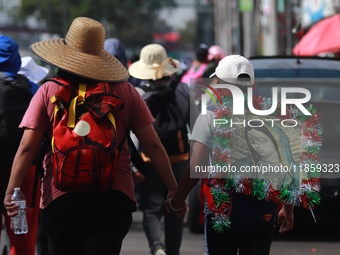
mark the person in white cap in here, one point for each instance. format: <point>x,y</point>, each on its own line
<point>235,222</point>
<point>87,222</point>
<point>235,70</point>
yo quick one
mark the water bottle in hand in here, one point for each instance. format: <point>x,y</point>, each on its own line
<point>19,222</point>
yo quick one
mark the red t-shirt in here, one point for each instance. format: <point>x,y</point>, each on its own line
<point>134,115</point>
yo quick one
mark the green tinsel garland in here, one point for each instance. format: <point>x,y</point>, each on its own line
<point>259,188</point>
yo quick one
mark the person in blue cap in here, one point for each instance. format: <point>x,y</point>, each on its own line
<point>10,59</point>
<point>10,63</point>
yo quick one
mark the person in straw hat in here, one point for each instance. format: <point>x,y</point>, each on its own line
<point>96,222</point>
<point>162,94</point>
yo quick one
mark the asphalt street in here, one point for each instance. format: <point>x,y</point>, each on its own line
<point>135,243</point>
<point>307,243</point>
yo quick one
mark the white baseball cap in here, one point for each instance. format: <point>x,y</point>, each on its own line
<point>232,70</point>
<point>32,70</point>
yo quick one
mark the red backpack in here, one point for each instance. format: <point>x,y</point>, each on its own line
<point>84,139</point>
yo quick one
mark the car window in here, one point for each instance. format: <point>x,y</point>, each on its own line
<point>321,90</point>
<point>325,97</point>
<point>302,73</point>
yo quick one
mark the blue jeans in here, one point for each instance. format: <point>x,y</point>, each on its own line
<point>152,193</point>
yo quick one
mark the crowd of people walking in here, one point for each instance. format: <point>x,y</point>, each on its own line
<point>85,112</point>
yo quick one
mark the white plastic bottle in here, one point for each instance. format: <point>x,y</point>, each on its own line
<point>19,222</point>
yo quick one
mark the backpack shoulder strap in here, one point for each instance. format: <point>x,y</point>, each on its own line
<point>59,81</point>
<point>17,80</point>
<point>136,159</point>
<point>65,93</point>
<point>78,100</point>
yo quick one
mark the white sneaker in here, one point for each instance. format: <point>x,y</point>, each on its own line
<point>160,252</point>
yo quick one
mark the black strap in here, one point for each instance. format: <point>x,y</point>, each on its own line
<point>18,80</point>
<point>38,170</point>
<point>120,145</point>
<point>136,159</point>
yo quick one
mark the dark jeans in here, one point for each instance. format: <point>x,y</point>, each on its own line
<point>152,194</point>
<point>42,241</point>
<point>249,241</point>
<point>87,223</point>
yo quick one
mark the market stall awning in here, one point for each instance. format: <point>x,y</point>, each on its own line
<point>323,37</point>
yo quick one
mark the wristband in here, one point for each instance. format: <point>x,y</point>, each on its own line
<point>175,210</point>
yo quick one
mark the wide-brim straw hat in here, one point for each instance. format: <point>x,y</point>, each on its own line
<point>153,63</point>
<point>82,52</point>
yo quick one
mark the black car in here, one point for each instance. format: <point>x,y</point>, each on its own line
<point>321,76</point>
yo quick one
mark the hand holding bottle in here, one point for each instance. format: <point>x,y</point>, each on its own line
<point>11,208</point>
<point>17,209</point>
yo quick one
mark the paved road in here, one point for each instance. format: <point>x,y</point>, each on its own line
<point>320,244</point>
<point>135,243</point>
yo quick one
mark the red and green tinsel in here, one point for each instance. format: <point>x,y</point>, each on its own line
<point>306,196</point>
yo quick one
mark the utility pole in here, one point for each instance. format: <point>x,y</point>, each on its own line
<point>289,27</point>
<point>223,13</point>
<point>247,30</point>
<point>270,31</point>
<point>246,10</point>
